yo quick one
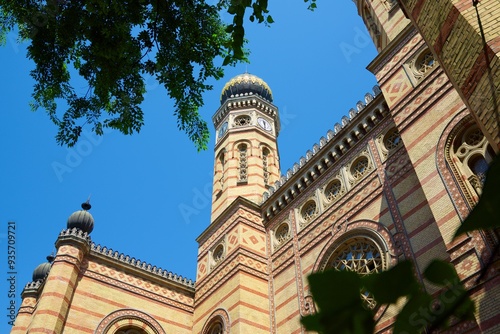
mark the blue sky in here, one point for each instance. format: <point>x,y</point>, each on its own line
<point>314,63</point>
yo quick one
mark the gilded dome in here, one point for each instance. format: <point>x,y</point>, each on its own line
<point>81,219</point>
<point>246,84</point>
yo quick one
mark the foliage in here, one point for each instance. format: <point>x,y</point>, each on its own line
<point>337,294</point>
<point>113,45</point>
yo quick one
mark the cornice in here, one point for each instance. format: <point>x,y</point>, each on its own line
<point>337,144</point>
<point>247,101</point>
<point>239,202</point>
<point>141,268</point>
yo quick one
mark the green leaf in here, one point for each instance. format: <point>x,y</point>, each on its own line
<point>486,213</point>
<point>441,273</point>
<point>340,307</point>
<point>312,323</point>
<point>335,290</point>
<point>452,302</point>
<point>387,286</point>
<point>415,315</point>
<point>269,19</point>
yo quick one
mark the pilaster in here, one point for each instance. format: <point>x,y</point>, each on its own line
<point>53,304</point>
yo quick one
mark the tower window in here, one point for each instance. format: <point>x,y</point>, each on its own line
<point>265,162</point>
<point>243,163</point>
<point>242,120</point>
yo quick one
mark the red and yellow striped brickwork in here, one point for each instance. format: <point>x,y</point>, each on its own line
<point>392,175</point>
<point>470,57</point>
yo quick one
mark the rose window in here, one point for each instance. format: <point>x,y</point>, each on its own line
<point>425,62</point>
<point>392,139</point>
<point>242,120</point>
<point>360,167</point>
<point>218,254</point>
<point>361,256</point>
<point>282,233</point>
<point>333,190</point>
<point>309,211</point>
<point>474,137</point>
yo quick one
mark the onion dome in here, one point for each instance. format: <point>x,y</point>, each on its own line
<point>246,84</point>
<point>82,219</point>
<point>42,270</point>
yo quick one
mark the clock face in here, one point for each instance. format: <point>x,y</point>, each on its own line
<point>222,129</point>
<point>264,124</point>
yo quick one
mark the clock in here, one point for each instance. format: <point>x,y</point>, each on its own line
<point>263,123</point>
<point>222,129</point>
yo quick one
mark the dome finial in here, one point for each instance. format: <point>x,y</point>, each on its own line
<point>82,219</point>
<point>86,206</point>
<point>51,257</point>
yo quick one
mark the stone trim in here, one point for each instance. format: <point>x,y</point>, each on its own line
<point>127,317</point>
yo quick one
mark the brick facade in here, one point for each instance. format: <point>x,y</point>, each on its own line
<point>392,174</point>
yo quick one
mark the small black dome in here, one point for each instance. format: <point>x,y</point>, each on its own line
<point>246,84</point>
<point>82,219</point>
<point>42,270</point>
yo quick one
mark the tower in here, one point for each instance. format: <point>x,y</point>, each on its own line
<point>246,154</point>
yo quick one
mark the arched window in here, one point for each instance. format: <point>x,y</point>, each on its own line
<point>216,328</point>
<point>220,167</point>
<point>471,154</point>
<point>243,163</point>
<point>218,323</point>
<point>265,165</point>
<point>131,331</point>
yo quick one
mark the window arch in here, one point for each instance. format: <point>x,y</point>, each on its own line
<point>218,323</point>
<point>129,321</point>
<point>469,154</point>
